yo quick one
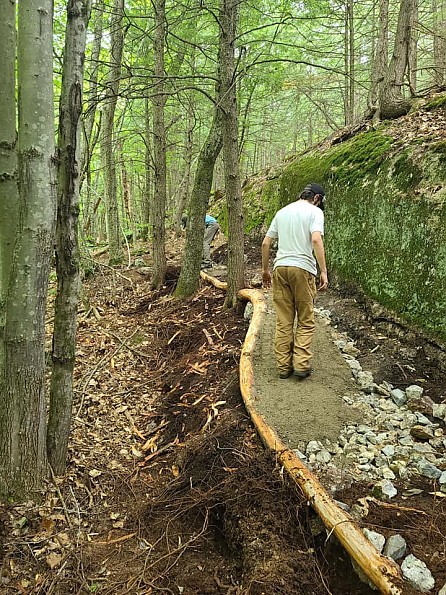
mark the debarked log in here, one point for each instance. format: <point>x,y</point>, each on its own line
<point>383,572</point>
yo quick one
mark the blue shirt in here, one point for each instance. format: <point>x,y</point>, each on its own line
<point>210,220</point>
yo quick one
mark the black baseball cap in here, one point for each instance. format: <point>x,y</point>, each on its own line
<point>315,189</point>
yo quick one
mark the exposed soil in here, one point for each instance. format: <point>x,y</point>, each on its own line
<point>168,488</point>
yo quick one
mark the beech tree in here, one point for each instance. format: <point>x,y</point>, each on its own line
<point>26,262</point>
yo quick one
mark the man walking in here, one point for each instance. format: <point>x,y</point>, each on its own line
<point>299,230</point>
<point>210,231</point>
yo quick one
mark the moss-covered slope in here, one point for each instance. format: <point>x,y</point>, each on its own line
<point>385,214</point>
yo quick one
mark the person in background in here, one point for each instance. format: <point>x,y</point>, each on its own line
<point>210,231</point>
<point>299,230</point>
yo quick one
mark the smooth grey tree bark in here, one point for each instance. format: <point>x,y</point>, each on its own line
<point>67,245</point>
<point>108,140</point>
<point>23,461</point>
<point>228,19</point>
<point>158,210</point>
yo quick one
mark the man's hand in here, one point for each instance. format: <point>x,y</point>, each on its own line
<point>266,278</point>
<point>323,281</point>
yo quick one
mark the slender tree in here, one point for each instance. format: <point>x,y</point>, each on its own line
<point>108,145</point>
<point>228,18</point>
<point>158,211</point>
<point>190,271</point>
<point>67,246</point>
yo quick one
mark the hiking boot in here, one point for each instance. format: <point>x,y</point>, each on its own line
<point>302,373</point>
<point>284,375</point>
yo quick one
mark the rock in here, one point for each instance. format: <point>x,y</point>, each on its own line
<point>384,490</point>
<point>350,349</point>
<point>417,574</point>
<point>375,539</point>
<point>428,469</point>
<point>439,410</point>
<point>398,397</point>
<point>414,391</point>
<point>442,591</point>
<point>256,281</point>
<point>388,450</point>
<point>323,456</point>
<point>442,482</point>
<point>313,447</point>
<point>421,432</point>
<point>365,381</point>
<point>355,366</point>
<point>395,547</point>
<point>423,404</point>
<point>249,309</point>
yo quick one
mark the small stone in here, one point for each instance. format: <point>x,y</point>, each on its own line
<point>428,469</point>
<point>350,349</point>
<point>313,446</point>
<point>388,450</point>
<point>414,391</point>
<point>365,381</point>
<point>398,397</point>
<point>387,473</point>
<point>375,539</point>
<point>395,547</point>
<point>439,410</point>
<point>417,574</point>
<point>421,432</point>
<point>256,281</point>
<point>442,482</point>
<point>247,314</point>
<point>422,404</point>
<point>384,490</point>
<point>323,456</point>
<point>442,591</point>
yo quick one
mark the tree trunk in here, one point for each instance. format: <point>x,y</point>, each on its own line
<point>116,50</point>
<point>146,200</point>
<point>23,462</point>
<point>393,103</point>
<point>349,64</point>
<point>67,246</point>
<point>228,106</point>
<point>439,13</point>
<point>412,59</point>
<point>159,152</point>
<point>380,59</point>
<point>8,157</point>
<point>190,270</point>
<point>184,189</point>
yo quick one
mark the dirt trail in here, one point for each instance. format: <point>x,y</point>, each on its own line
<point>310,409</point>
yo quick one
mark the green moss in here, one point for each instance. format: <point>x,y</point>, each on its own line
<point>436,103</point>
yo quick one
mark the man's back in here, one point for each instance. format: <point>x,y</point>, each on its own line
<point>293,226</point>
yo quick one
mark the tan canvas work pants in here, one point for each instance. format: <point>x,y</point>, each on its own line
<point>294,292</point>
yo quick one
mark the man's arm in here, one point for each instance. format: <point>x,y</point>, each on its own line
<point>266,275</point>
<point>319,252</point>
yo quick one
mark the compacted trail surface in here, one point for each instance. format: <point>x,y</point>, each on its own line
<point>304,410</point>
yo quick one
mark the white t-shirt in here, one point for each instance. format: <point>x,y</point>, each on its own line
<point>293,226</point>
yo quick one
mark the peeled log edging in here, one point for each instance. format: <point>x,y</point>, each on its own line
<point>381,571</point>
